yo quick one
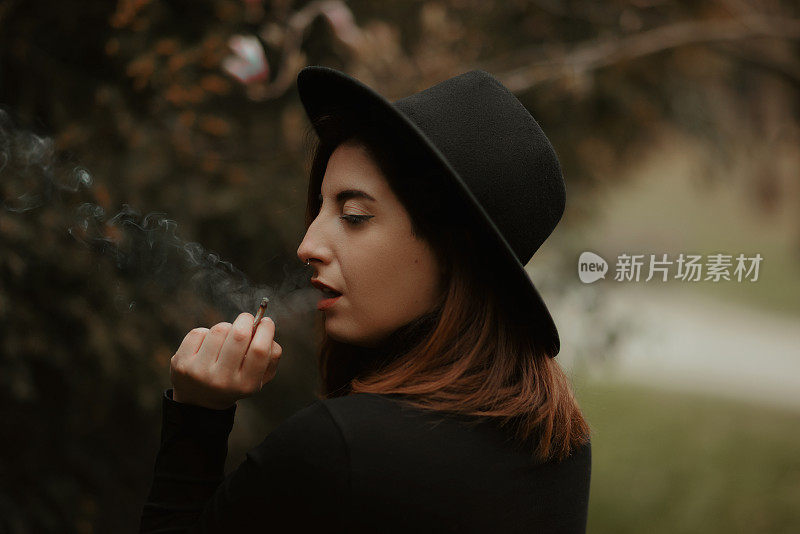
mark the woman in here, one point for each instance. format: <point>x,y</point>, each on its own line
<point>442,408</point>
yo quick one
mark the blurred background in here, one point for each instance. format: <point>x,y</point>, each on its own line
<point>153,162</point>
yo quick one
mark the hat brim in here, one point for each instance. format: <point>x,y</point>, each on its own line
<point>324,90</point>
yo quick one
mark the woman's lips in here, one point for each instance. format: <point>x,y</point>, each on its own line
<point>327,302</point>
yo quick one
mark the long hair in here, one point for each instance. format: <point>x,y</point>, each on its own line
<point>477,354</point>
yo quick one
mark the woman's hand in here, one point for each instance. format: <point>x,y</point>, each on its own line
<point>215,368</point>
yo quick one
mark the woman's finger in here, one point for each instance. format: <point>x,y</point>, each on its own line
<point>274,360</point>
<point>191,343</point>
<point>235,346</point>
<point>209,350</point>
<point>258,354</point>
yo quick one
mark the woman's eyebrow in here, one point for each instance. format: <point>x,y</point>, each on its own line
<point>346,194</point>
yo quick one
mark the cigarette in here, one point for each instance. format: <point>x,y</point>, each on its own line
<point>262,308</point>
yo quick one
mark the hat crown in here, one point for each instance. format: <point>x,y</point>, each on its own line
<point>498,150</point>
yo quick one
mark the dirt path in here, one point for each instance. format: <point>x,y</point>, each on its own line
<point>684,341</point>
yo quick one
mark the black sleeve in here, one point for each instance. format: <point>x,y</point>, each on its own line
<point>298,476</point>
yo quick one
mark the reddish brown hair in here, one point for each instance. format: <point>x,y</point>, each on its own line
<point>476,354</point>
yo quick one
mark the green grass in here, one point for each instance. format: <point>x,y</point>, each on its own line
<point>675,463</point>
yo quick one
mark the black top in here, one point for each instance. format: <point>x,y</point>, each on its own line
<point>359,463</point>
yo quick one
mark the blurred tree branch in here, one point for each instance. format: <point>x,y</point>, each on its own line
<point>558,63</point>
<point>595,54</point>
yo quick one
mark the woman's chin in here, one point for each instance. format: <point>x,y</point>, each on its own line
<point>334,330</point>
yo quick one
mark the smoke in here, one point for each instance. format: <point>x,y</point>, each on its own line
<point>145,248</point>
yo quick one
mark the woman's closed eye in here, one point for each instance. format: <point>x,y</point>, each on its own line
<point>355,220</point>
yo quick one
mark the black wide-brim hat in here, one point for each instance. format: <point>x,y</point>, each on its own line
<point>493,151</point>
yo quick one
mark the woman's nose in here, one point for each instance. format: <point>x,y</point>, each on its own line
<point>304,250</point>
<point>311,247</point>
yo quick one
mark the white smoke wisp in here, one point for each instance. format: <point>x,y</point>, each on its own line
<point>146,248</point>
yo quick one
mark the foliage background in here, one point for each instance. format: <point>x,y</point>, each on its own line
<point>137,93</point>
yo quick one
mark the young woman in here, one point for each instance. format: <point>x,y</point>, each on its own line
<point>442,408</point>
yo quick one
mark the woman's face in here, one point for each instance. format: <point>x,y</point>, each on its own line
<point>386,276</point>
